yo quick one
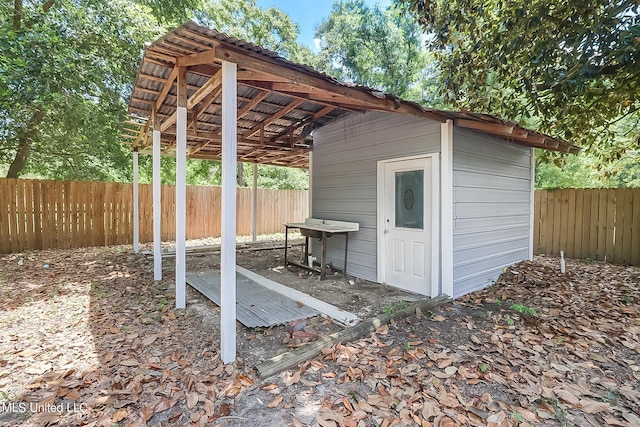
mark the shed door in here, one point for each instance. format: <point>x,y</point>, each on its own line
<point>408,224</point>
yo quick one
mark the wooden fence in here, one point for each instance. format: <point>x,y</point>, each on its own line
<point>38,214</point>
<point>585,223</point>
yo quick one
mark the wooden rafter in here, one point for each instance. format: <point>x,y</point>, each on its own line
<point>281,102</point>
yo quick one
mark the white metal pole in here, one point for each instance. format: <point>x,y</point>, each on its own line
<point>254,202</point>
<point>136,207</point>
<point>157,243</point>
<point>181,206</point>
<point>228,244</point>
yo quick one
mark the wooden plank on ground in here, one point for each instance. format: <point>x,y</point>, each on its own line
<point>286,360</point>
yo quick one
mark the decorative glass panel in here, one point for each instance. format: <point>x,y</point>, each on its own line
<point>410,199</point>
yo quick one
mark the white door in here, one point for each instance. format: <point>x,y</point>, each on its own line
<point>407,216</point>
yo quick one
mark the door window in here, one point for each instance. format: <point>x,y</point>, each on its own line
<point>410,199</point>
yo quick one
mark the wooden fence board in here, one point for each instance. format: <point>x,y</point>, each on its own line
<point>627,227</point>
<point>576,231</point>
<point>617,234</point>
<point>610,230</point>
<point>635,231</point>
<point>586,223</point>
<point>5,235</point>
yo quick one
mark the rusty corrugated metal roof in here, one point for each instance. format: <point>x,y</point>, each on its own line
<point>279,101</point>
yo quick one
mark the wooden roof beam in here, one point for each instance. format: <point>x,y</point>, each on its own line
<point>274,117</point>
<point>212,84</point>
<point>167,87</point>
<point>493,128</point>
<point>254,61</point>
<point>198,58</point>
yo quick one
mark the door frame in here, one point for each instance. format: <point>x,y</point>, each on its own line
<point>435,217</point>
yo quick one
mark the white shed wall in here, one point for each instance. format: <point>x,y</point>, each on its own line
<point>344,173</point>
<point>492,208</point>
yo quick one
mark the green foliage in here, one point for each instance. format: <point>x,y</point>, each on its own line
<point>269,28</point>
<point>65,76</point>
<point>520,308</point>
<point>64,73</point>
<point>382,49</point>
<point>566,68</point>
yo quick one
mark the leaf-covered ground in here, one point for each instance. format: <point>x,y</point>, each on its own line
<point>88,338</point>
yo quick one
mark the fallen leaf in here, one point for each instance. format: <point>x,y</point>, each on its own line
<point>292,379</point>
<point>149,340</point>
<point>438,318</point>
<point>146,413</point>
<point>119,415</point>
<point>592,407</point>
<point>163,405</point>
<point>275,402</point>
<point>192,399</point>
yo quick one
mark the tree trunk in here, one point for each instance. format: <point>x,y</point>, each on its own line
<point>25,140</point>
<point>17,15</point>
<point>240,175</point>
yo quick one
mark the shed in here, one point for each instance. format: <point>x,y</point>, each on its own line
<point>442,208</point>
<point>443,198</point>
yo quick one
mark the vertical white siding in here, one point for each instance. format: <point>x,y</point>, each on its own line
<point>492,208</point>
<point>345,157</point>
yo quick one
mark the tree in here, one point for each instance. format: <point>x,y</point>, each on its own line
<point>270,28</point>
<point>567,68</point>
<point>382,49</point>
<point>64,69</point>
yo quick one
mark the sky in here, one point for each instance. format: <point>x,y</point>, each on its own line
<point>308,14</point>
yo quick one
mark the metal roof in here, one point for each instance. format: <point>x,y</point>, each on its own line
<point>279,102</point>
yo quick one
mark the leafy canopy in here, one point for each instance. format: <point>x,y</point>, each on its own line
<point>64,74</point>
<point>569,68</point>
<point>378,48</point>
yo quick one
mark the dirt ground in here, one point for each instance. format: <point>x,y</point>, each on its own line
<point>88,338</point>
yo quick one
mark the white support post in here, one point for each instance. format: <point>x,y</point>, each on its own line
<point>228,243</point>
<point>136,207</point>
<point>532,202</point>
<point>254,202</point>
<point>181,207</point>
<point>157,212</point>
<point>446,150</point>
<point>181,189</point>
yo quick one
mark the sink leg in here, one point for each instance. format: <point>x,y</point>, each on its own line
<point>323,263</point>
